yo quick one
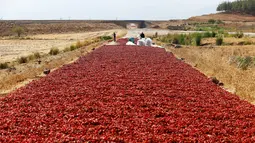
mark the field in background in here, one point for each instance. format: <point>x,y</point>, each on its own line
<point>11,49</point>
<point>34,27</point>
<point>225,21</point>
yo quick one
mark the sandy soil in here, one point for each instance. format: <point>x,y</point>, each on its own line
<point>12,49</point>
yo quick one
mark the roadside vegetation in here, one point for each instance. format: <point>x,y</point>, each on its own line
<point>217,38</point>
<point>4,66</point>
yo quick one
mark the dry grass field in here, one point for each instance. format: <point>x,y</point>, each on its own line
<point>231,41</point>
<point>215,62</point>
<point>11,49</point>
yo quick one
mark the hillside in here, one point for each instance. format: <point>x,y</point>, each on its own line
<point>33,27</point>
<point>235,17</point>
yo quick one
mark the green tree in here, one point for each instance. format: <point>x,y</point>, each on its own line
<point>241,6</point>
<point>18,30</point>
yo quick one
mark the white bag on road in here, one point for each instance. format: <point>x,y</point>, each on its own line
<point>148,42</point>
<point>141,42</point>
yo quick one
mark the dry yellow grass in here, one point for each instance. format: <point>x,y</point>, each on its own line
<point>11,49</point>
<point>230,40</point>
<point>214,62</point>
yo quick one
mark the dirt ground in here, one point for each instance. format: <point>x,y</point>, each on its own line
<point>11,49</point>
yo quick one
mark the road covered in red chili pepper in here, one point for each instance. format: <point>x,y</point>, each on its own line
<point>125,94</point>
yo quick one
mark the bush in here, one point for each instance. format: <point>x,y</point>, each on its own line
<point>22,60</point>
<point>78,44</point>
<point>207,35</point>
<point>54,51</point>
<point>211,21</point>
<point>4,66</point>
<point>175,40</point>
<point>239,35</point>
<point>67,49</point>
<point>188,40</point>
<point>213,34</point>
<point>198,39</point>
<point>245,62</point>
<point>37,55</point>
<point>105,38</point>
<point>73,47</point>
<point>18,30</point>
<point>219,41</point>
<point>248,42</point>
<point>31,57</point>
<point>181,39</point>
<point>219,22</point>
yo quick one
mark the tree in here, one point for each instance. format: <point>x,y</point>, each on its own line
<point>241,6</point>
<point>18,30</point>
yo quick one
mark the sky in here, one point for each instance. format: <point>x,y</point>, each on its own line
<point>105,9</point>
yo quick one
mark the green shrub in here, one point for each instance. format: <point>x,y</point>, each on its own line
<point>73,47</point>
<point>219,41</point>
<point>105,38</point>
<point>211,21</point>
<point>54,51</point>
<point>219,22</point>
<point>182,39</point>
<point>239,35</point>
<point>175,40</point>
<point>214,34</point>
<point>248,42</point>
<point>22,60</point>
<point>18,30</point>
<point>31,57</point>
<point>4,66</point>
<point>78,44</point>
<point>207,35</point>
<point>198,39</point>
<point>245,62</point>
<point>37,55</point>
<point>66,49</point>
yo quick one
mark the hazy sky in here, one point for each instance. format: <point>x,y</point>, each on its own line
<point>106,9</point>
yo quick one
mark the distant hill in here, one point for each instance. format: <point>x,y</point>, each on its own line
<point>225,16</point>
